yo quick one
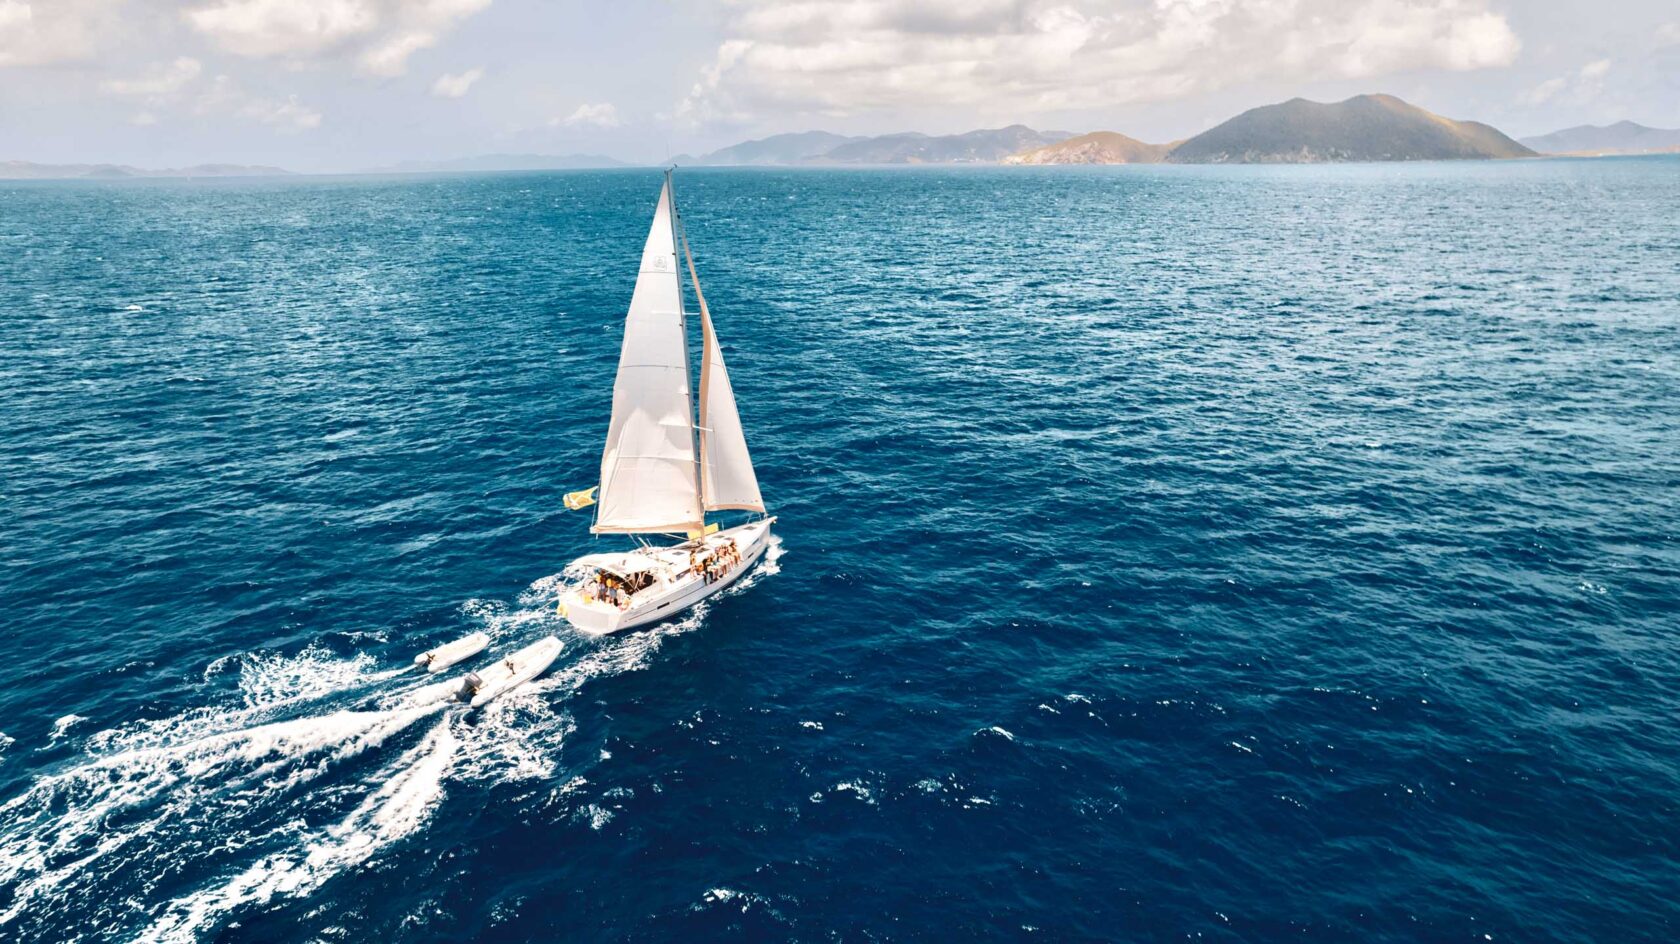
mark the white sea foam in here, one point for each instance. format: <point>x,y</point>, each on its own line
<point>411,789</point>
<point>62,814</point>
<point>241,767</point>
<point>595,816</point>
<point>268,680</point>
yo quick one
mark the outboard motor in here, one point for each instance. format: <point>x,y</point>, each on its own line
<point>470,684</point>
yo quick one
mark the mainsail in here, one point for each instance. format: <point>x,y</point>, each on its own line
<point>726,470</point>
<point>649,477</point>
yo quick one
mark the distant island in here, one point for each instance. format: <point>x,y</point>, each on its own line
<point>1362,128</point>
<point>28,170</point>
<point>1623,137</point>
<point>1372,127</point>
<point>489,163</point>
<point>1098,147</point>
<point>776,149</point>
<point>986,146</point>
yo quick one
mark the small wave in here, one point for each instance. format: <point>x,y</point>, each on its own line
<point>722,896</point>
<point>62,726</point>
<point>856,788</point>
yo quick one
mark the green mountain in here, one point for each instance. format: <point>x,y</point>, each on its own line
<point>1362,128</point>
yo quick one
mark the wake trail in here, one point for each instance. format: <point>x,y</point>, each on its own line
<point>287,798</point>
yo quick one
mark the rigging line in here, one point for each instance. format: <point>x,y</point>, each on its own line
<point>696,441</point>
<point>701,421</point>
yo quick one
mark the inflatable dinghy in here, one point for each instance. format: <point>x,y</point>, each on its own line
<point>436,660</point>
<point>508,673</point>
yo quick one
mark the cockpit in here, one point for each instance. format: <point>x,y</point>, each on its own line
<point>615,586</point>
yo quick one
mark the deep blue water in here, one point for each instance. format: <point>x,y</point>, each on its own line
<point>1166,553</point>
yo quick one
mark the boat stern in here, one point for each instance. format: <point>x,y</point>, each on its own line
<point>590,617</point>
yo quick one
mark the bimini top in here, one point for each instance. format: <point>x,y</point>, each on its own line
<point>622,565</point>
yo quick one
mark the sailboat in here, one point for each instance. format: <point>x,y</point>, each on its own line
<point>665,466</point>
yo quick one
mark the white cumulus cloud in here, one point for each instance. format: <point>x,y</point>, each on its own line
<point>602,115</point>
<point>456,85</point>
<point>42,32</point>
<point>849,56</point>
<point>380,34</point>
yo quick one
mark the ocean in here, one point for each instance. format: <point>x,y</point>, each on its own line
<point>1165,553</point>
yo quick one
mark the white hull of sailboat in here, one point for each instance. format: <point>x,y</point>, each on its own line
<point>675,589</point>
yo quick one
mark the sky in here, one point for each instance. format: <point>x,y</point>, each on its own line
<point>343,85</point>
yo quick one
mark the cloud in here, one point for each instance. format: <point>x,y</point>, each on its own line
<point>603,115</point>
<point>381,34</point>
<point>166,82</point>
<point>287,115</point>
<point>224,96</point>
<point>160,82</point>
<point>851,56</point>
<point>264,28</point>
<point>455,86</point>
<point>1581,86</point>
<point>1546,91</point>
<point>1595,70</point>
<point>42,32</point>
<point>14,14</point>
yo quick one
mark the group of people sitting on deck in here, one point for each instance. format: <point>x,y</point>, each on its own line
<point>713,566</point>
<point>608,588</point>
